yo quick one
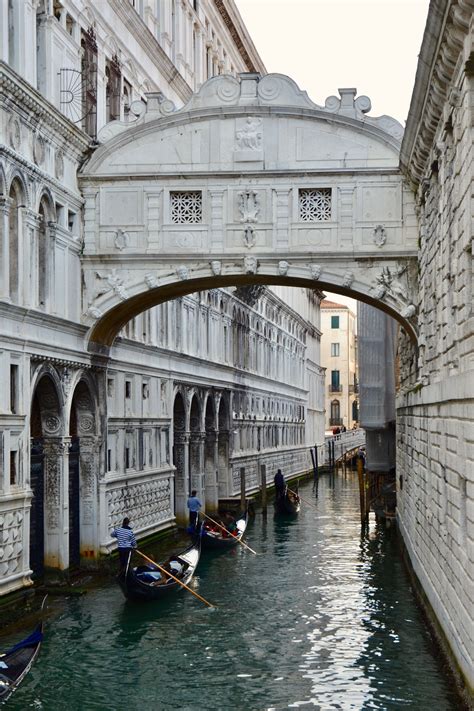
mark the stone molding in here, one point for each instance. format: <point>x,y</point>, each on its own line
<point>447,26</point>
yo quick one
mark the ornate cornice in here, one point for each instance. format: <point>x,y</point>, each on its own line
<point>15,90</point>
<point>246,48</point>
<point>440,58</point>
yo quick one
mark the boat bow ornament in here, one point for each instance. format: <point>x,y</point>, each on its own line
<point>249,183</point>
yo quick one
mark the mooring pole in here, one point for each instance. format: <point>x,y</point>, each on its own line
<point>242,488</point>
<point>263,485</point>
<point>316,463</point>
<point>360,473</point>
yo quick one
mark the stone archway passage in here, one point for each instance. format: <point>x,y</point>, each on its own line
<point>250,183</point>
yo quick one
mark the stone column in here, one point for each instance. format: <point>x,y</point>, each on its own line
<point>153,205</point>
<point>181,444</point>
<point>4,249</point>
<point>56,514</point>
<point>88,491</point>
<point>30,259</point>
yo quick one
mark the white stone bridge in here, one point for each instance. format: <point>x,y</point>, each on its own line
<point>249,183</point>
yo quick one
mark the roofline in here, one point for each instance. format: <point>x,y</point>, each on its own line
<point>245,46</point>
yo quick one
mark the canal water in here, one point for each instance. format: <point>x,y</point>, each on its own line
<point>321,619</point>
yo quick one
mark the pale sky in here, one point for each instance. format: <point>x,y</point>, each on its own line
<point>372,45</point>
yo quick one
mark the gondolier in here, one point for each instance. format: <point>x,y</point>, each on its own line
<point>194,506</point>
<point>125,540</point>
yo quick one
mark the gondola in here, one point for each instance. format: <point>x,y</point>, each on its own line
<point>215,538</point>
<point>288,503</point>
<point>147,582</point>
<point>16,662</point>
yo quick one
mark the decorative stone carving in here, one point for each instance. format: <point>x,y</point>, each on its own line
<point>249,236</point>
<point>249,137</point>
<point>14,133</point>
<point>283,267</point>
<point>248,140</point>
<point>393,283</point>
<point>59,163</point>
<point>66,380</point>
<point>348,279</point>
<point>51,424</point>
<point>249,205</point>
<point>409,311</point>
<point>182,272</point>
<point>114,282</point>
<point>216,267</point>
<point>151,280</point>
<point>380,235</point>
<point>94,312</point>
<point>377,291</point>
<point>121,239</point>
<point>315,270</point>
<point>250,265</point>
<point>39,148</point>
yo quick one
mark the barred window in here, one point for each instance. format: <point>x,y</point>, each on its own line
<point>315,204</point>
<point>186,207</point>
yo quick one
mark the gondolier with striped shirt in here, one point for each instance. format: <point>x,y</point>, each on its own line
<point>125,540</point>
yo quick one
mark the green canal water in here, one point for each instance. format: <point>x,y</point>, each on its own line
<point>321,619</point>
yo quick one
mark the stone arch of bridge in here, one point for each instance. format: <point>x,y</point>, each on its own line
<point>250,183</point>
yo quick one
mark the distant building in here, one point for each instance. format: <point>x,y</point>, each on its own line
<point>339,358</point>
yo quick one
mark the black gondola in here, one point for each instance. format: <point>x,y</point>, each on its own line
<point>16,662</point>
<point>288,503</point>
<point>147,582</point>
<point>215,538</point>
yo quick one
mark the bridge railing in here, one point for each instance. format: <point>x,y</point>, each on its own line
<point>343,442</point>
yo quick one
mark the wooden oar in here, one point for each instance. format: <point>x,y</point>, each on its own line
<point>230,533</point>
<point>300,497</point>
<point>166,572</point>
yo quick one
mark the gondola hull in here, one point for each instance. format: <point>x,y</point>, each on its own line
<point>216,540</point>
<point>287,504</point>
<point>16,662</point>
<point>135,588</point>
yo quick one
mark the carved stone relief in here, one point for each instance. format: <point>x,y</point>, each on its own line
<point>348,279</point>
<point>182,272</point>
<point>250,265</point>
<point>59,164</point>
<point>249,205</point>
<point>121,239</point>
<point>315,270</point>
<point>14,133</point>
<point>283,267</point>
<point>113,282</point>
<point>380,236</point>
<point>249,236</point>
<point>216,267</point>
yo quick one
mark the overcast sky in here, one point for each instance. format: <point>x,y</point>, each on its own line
<point>372,45</point>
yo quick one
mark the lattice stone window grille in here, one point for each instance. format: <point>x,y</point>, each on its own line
<point>315,204</point>
<point>186,207</point>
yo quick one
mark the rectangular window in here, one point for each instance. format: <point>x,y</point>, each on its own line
<point>334,321</point>
<point>113,75</point>
<point>334,349</point>
<point>110,387</point>
<point>13,468</point>
<point>14,389</point>
<point>128,389</point>
<point>314,204</point>
<point>335,374</point>
<point>89,81</point>
<point>186,207</point>
<point>109,460</point>
<point>71,221</point>
<point>127,457</point>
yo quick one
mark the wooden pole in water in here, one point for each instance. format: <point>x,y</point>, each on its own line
<point>263,485</point>
<point>242,488</point>
<point>360,473</point>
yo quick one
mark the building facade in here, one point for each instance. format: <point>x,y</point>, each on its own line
<point>339,358</point>
<point>197,388</point>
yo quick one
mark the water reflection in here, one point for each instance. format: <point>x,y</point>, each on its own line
<point>323,619</point>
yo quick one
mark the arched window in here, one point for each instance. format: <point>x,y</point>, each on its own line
<point>335,412</point>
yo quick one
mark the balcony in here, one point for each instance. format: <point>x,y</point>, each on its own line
<point>334,388</point>
<point>354,389</point>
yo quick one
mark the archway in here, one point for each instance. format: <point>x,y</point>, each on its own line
<point>196,449</point>
<point>14,239</point>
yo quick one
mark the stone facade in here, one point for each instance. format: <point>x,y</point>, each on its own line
<point>435,424</point>
<point>339,358</point>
